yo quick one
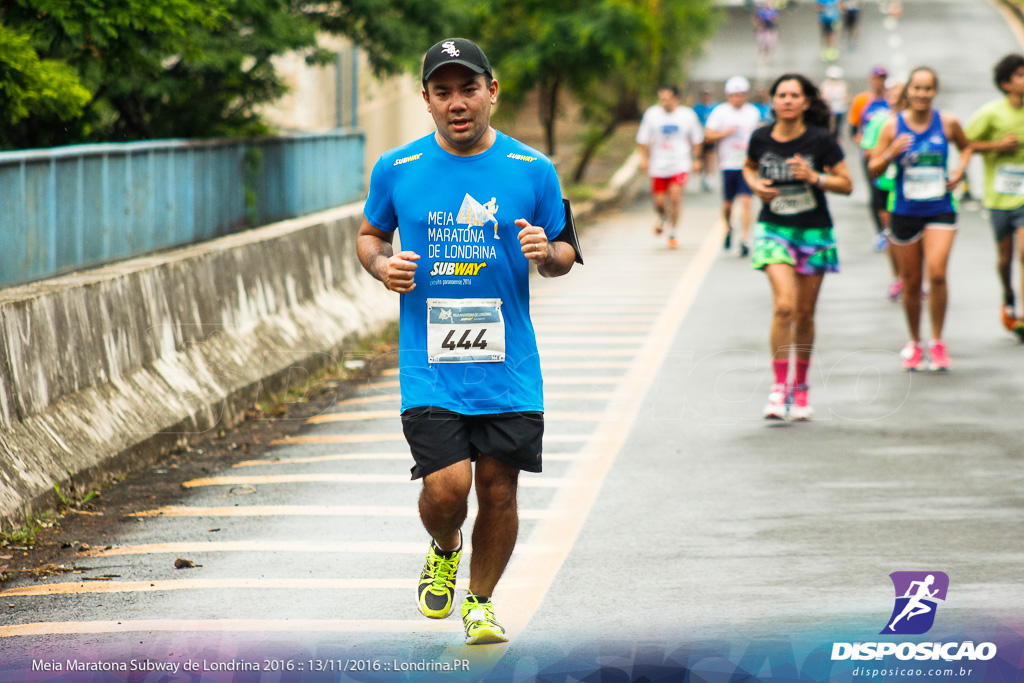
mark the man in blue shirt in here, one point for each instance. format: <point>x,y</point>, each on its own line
<point>828,16</point>
<point>474,209</point>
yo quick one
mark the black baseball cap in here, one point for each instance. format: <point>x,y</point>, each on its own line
<point>455,51</point>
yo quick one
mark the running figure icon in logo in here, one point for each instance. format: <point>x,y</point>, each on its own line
<point>916,596</point>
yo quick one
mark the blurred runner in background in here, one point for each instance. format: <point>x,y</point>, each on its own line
<point>730,126</point>
<point>837,95</point>
<point>997,131</point>
<point>669,140</point>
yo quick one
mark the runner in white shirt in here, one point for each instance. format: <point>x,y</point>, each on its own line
<point>837,95</point>
<point>731,125</point>
<point>669,142</point>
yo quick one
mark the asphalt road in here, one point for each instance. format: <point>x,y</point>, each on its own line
<point>672,525</point>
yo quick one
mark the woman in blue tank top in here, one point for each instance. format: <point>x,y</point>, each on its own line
<point>923,221</point>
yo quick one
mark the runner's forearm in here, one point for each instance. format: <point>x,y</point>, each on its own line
<point>374,253</point>
<point>983,147</point>
<point>560,258</point>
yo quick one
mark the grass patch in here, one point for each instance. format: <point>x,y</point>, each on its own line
<point>24,537</point>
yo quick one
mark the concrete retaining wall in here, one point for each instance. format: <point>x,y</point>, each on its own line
<point>109,369</point>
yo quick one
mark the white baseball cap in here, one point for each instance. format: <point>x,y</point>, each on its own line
<point>736,84</point>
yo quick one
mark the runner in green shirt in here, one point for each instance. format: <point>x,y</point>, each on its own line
<point>996,131</point>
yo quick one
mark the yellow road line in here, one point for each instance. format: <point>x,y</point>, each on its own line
<point>374,456</point>
<point>575,395</point>
<point>91,587</point>
<point>519,606</point>
<point>317,547</point>
<point>599,298</point>
<point>611,309</point>
<point>390,372</point>
<point>234,626</point>
<point>570,416</point>
<point>353,416</point>
<point>370,399</point>
<point>70,588</point>
<point>1011,20</point>
<point>586,364</point>
<point>611,326</point>
<point>373,438</point>
<point>328,418</point>
<point>387,384</point>
<point>338,438</point>
<point>544,340</point>
<point>597,355</point>
<point>583,380</point>
<point>304,511</point>
<point>326,458</point>
<point>346,478</point>
<point>611,320</point>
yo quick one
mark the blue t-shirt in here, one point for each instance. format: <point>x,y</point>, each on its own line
<point>458,213</point>
<point>768,16</point>
<point>921,171</point>
<point>879,107</point>
<point>828,11</point>
<point>703,111</point>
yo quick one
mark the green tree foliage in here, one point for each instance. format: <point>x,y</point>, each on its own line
<point>394,34</point>
<point>180,68</point>
<point>113,47</point>
<point>605,53</point>
<point>30,86</point>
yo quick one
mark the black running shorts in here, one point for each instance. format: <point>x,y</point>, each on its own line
<point>909,229</point>
<point>439,438</point>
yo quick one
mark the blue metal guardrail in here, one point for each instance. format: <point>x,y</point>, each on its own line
<point>74,207</point>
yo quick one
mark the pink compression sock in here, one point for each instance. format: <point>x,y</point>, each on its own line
<point>801,370</point>
<point>781,370</point>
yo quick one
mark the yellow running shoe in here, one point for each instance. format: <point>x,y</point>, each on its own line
<point>435,594</point>
<point>478,619</point>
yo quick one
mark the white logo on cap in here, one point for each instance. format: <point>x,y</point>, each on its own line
<point>448,47</point>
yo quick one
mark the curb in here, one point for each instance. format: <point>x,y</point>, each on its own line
<point>625,185</point>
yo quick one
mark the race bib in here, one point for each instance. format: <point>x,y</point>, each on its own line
<point>465,331</point>
<point>1009,180</point>
<point>793,199</point>
<point>924,183</point>
<point>667,157</point>
<point>735,154</point>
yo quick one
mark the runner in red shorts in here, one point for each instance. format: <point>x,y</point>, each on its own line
<point>669,141</point>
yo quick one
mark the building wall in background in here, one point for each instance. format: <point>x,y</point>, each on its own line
<point>390,111</point>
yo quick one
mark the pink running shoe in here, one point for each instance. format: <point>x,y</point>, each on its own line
<point>798,408</point>
<point>940,360</point>
<point>913,356</point>
<point>895,291</point>
<point>775,409</point>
